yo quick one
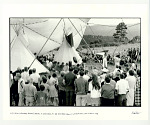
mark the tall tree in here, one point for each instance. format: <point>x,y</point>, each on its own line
<point>120,34</point>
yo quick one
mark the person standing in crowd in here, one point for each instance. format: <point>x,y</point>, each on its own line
<point>30,72</point>
<point>53,94</point>
<point>66,68</point>
<point>132,87</point>
<point>41,98</point>
<point>81,90</point>
<point>46,86</point>
<point>105,61</point>
<point>36,77</point>
<point>122,88</point>
<point>70,88</point>
<point>87,78</point>
<point>14,91</point>
<point>25,75</point>
<point>29,93</point>
<point>117,60</point>
<point>21,85</point>
<point>107,93</point>
<point>94,88</point>
<point>138,89</point>
<point>61,93</point>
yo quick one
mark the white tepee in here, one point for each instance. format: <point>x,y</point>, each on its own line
<point>66,53</point>
<point>21,56</point>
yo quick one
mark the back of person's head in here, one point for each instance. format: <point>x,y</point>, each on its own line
<point>81,73</point>
<point>121,76</point>
<point>42,87</point>
<point>30,71</point>
<point>71,69</point>
<point>107,79</point>
<point>54,75</point>
<point>26,69</point>
<point>139,72</point>
<point>70,63</point>
<point>22,70</point>
<point>86,72</point>
<point>75,72</point>
<point>34,70</point>
<point>44,79</point>
<point>131,73</point>
<point>78,65</point>
<point>120,67</point>
<point>49,76</point>
<point>62,74</point>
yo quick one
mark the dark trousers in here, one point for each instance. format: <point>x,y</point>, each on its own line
<point>16,98</point>
<point>70,98</point>
<point>107,102</point>
<point>122,100</point>
<point>62,98</point>
<point>116,101</point>
<point>36,85</point>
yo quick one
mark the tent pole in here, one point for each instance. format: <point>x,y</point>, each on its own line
<point>45,43</point>
<point>83,39</point>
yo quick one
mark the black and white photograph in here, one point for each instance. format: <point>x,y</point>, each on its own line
<point>75,61</point>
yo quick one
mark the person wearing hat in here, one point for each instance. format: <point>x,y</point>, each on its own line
<point>21,85</point>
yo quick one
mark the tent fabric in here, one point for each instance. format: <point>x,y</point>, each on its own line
<point>21,56</point>
<point>66,53</point>
<point>38,31</point>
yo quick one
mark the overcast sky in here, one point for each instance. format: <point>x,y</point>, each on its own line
<point>114,21</point>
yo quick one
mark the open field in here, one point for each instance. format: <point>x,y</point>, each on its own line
<point>112,48</point>
<point>111,51</point>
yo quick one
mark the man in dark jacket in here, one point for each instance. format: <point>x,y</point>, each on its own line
<point>70,88</point>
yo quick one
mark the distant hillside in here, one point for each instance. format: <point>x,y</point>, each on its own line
<point>98,41</point>
<point>109,31</point>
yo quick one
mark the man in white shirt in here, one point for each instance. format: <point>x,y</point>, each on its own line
<point>122,88</point>
<point>36,78</point>
<point>25,75</point>
<point>21,85</point>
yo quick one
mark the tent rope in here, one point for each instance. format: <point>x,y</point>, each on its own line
<point>45,43</point>
<point>83,39</point>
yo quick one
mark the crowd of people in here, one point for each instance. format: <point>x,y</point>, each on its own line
<point>76,85</point>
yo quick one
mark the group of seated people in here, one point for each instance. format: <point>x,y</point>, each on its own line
<point>75,85</point>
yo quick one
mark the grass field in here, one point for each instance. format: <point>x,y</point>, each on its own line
<point>111,51</point>
<point>112,48</point>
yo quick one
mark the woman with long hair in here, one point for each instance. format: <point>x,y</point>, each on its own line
<point>94,88</point>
